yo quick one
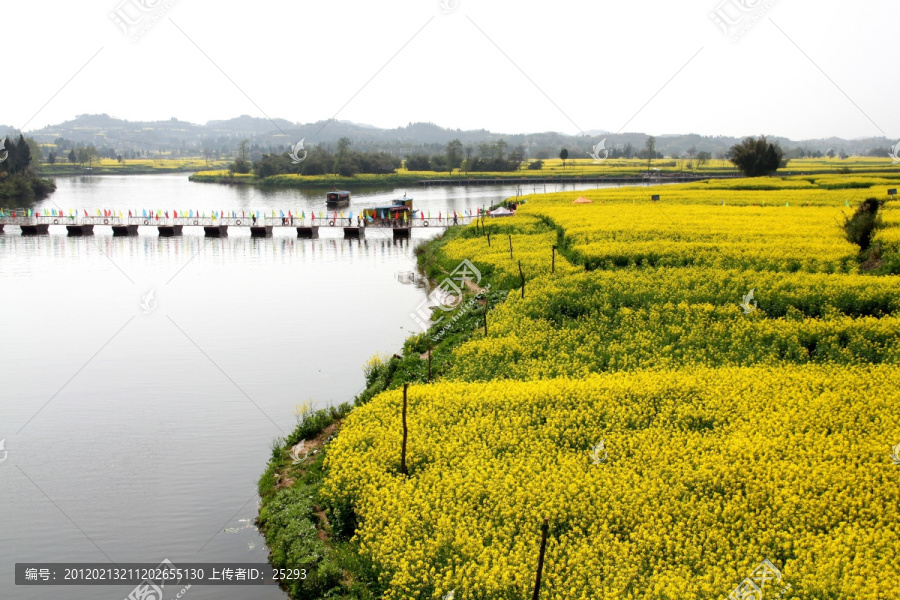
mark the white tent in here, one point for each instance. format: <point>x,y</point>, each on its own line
<point>501,212</point>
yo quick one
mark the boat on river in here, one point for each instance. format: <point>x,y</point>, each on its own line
<point>398,212</point>
<point>337,198</point>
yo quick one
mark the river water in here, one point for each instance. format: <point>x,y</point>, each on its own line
<point>136,425</point>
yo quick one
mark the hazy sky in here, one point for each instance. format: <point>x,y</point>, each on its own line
<point>801,69</point>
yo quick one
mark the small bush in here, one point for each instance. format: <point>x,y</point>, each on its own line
<point>860,227</point>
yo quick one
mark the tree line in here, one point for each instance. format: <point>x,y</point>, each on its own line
<point>18,180</point>
<point>754,157</point>
<point>316,161</point>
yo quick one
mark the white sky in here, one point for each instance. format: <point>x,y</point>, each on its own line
<point>572,65</point>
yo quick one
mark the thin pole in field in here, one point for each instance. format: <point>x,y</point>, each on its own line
<point>509,235</point>
<point>403,448</point>
<point>540,566</point>
<point>522,275</point>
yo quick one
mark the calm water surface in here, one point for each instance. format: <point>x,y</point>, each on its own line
<point>135,428</point>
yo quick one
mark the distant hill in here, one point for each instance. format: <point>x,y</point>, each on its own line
<point>222,137</point>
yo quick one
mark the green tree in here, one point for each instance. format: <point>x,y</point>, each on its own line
<point>51,158</point>
<point>36,151</point>
<point>86,154</point>
<point>343,145</point>
<point>756,157</point>
<point>703,158</point>
<point>72,157</point>
<point>418,162</point>
<point>650,147</point>
<point>563,155</point>
<point>454,154</point>
<point>22,157</point>
<point>501,149</point>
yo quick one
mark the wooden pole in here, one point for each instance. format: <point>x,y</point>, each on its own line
<point>509,235</point>
<point>523,279</point>
<point>403,449</point>
<point>553,260</point>
<point>489,239</point>
<point>540,566</point>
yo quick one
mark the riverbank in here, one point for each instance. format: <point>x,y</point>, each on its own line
<point>24,189</point>
<point>302,528</point>
<point>442,179</point>
<point>553,171</point>
<point>617,323</point>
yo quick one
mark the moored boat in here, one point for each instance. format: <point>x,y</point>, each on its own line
<point>398,213</point>
<point>337,198</point>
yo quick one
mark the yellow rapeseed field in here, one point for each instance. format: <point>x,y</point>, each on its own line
<point>702,383</point>
<point>708,471</point>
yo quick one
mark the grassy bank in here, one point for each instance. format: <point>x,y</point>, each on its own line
<point>555,169</point>
<point>303,529</point>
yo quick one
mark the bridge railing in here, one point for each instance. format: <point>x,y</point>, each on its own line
<point>41,220</point>
<point>241,221</point>
<point>95,220</point>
